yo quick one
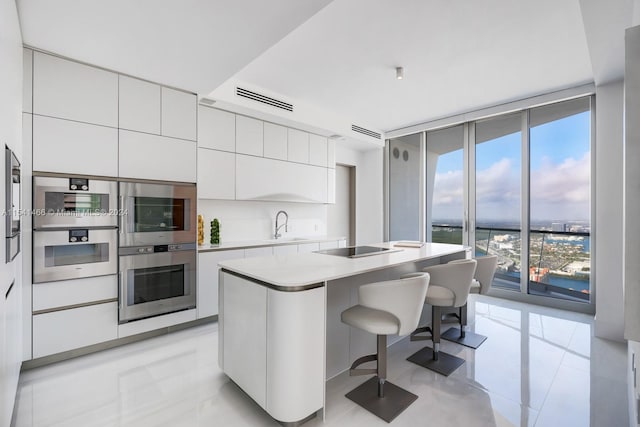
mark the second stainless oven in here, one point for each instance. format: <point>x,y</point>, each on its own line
<point>156,279</point>
<point>157,213</point>
<point>74,253</point>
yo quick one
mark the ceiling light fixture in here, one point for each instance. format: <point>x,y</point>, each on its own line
<point>399,73</point>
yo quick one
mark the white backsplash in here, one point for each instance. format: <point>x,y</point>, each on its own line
<point>248,220</point>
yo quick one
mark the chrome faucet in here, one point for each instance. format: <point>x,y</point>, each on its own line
<point>286,221</point>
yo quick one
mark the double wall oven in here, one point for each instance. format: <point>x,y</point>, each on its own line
<point>75,228</point>
<point>157,249</point>
<point>144,232</point>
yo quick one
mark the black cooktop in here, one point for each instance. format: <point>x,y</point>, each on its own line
<point>355,251</point>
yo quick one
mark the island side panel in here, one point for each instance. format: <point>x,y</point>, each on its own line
<point>295,353</point>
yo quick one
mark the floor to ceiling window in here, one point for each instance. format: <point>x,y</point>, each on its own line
<point>498,170</point>
<point>517,185</point>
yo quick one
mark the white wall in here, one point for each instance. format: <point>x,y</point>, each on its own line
<point>11,135</point>
<point>608,204</point>
<point>255,220</point>
<point>369,185</point>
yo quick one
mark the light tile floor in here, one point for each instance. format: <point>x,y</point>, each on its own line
<point>539,367</point>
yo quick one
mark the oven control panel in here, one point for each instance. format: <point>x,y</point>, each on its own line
<point>151,249</point>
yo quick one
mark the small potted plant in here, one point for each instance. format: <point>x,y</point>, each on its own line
<point>215,232</point>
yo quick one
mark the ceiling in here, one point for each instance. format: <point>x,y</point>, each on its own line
<point>340,56</point>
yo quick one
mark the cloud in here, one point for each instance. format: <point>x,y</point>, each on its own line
<point>558,190</point>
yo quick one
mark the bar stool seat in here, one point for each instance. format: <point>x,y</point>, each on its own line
<point>385,308</point>
<point>440,296</point>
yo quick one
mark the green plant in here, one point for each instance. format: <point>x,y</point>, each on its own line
<point>215,232</point>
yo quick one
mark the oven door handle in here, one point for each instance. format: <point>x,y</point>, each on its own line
<point>121,286</point>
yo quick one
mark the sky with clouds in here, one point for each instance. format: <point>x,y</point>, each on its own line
<point>559,181</point>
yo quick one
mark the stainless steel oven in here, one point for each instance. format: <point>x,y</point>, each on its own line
<point>74,253</point>
<point>12,204</point>
<point>157,213</point>
<point>156,279</point>
<point>74,202</point>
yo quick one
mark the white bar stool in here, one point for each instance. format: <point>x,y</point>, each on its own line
<point>391,307</point>
<point>450,285</point>
<point>481,284</point>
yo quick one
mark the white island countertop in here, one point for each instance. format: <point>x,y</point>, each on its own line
<point>295,271</point>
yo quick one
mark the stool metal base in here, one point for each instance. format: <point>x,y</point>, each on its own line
<point>470,339</point>
<point>395,399</point>
<point>445,365</point>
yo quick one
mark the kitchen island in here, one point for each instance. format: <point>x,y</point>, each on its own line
<point>280,334</point>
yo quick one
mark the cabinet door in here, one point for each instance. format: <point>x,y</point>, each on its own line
<point>178,114</point>
<point>156,157</point>
<point>11,350</point>
<point>266,179</point>
<point>216,174</point>
<point>298,146</point>
<point>249,136</point>
<point>216,129</point>
<point>257,252</point>
<point>82,326</point>
<point>305,248</point>
<point>284,250</point>
<point>72,147</point>
<point>331,153</point>
<point>317,150</point>
<point>328,245</point>
<point>207,292</point>
<point>244,338</point>
<point>139,105</point>
<point>64,293</point>
<point>275,141</point>
<point>74,91</point>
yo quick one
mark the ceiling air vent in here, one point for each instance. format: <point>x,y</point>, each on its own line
<point>264,99</point>
<point>366,132</point>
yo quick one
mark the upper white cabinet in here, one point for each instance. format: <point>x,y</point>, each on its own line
<point>298,146</point>
<point>331,185</point>
<point>331,153</point>
<point>249,136</point>
<point>66,146</point>
<point>139,105</point>
<point>69,90</point>
<point>178,114</point>
<point>156,157</point>
<point>258,178</point>
<point>216,174</point>
<point>317,150</point>
<point>275,141</point>
<point>216,129</point>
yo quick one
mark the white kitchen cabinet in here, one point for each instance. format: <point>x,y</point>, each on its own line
<point>71,147</point>
<point>317,150</point>
<point>74,91</point>
<point>179,110</point>
<point>156,157</point>
<point>328,245</point>
<point>257,252</point>
<point>65,330</point>
<point>331,153</point>
<point>305,248</point>
<point>65,293</point>
<point>207,292</point>
<point>331,185</point>
<point>216,174</point>
<point>342,243</point>
<point>139,105</point>
<point>157,322</point>
<point>249,136</point>
<point>216,129</point>
<point>27,80</point>
<point>298,146</point>
<point>275,141</point>
<point>284,250</point>
<point>266,179</point>
<point>11,349</point>
<point>244,346</point>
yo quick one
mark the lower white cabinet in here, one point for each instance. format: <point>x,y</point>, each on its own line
<point>256,252</point>
<point>284,250</point>
<point>10,351</point>
<point>260,178</point>
<point>148,156</point>
<point>329,245</point>
<point>304,248</point>
<point>207,292</point>
<point>65,146</point>
<point>65,330</point>
<point>216,174</point>
<point>65,293</point>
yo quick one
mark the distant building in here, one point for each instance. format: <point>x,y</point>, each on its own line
<point>559,226</point>
<point>540,275</point>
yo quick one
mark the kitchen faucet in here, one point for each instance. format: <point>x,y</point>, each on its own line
<point>286,221</point>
